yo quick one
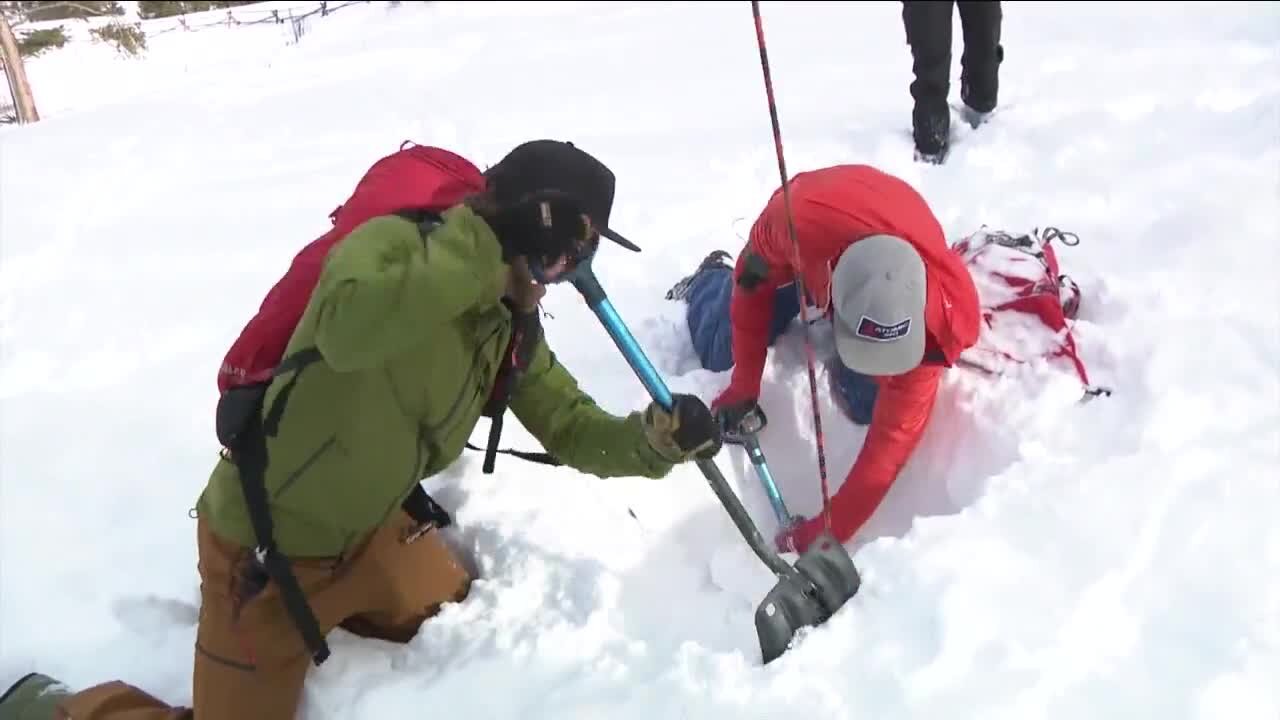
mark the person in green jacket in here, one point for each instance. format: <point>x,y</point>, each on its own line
<point>406,329</point>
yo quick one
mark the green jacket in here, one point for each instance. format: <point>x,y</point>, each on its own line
<point>412,332</point>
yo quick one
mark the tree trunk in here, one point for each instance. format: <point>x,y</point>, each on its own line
<point>16,75</point>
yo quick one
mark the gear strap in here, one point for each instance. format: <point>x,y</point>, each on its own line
<point>525,333</point>
<point>243,431</point>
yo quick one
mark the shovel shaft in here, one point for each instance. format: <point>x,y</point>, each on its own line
<point>630,348</point>
<point>598,301</point>
<point>766,479</point>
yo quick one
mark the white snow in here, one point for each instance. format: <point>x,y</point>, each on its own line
<point>1038,558</point>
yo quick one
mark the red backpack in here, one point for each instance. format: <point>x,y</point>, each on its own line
<point>414,178</point>
<point>1027,302</point>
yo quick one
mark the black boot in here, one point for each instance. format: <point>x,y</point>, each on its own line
<point>932,133</point>
<point>33,697</point>
<point>716,258</point>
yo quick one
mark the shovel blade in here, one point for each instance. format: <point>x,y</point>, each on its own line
<point>822,581</point>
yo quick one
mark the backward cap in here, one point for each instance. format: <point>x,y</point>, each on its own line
<point>878,292</point>
<point>557,165</point>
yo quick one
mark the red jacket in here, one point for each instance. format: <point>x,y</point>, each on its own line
<point>833,208</point>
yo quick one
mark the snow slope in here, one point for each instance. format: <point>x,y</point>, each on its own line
<point>1037,559</point>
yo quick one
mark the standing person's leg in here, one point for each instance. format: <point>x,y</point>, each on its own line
<point>928,27</point>
<point>983,53</point>
<point>709,293</point>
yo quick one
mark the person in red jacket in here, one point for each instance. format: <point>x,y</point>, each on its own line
<point>903,307</point>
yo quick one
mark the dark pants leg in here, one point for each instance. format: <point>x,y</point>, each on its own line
<point>855,393</point>
<point>983,53</point>
<point>709,294</point>
<point>928,26</point>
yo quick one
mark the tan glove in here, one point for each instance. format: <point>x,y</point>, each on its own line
<point>687,433</point>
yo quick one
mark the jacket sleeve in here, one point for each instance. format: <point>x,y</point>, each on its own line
<point>751,316</point>
<point>569,424</point>
<point>901,414</point>
<point>381,288</point>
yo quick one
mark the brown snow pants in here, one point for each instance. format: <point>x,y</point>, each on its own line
<point>250,662</point>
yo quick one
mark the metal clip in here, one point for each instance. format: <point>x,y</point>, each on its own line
<point>410,535</point>
<point>737,431</point>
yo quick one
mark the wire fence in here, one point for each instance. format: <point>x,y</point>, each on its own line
<point>278,13</point>
<point>295,15</point>
<point>249,15</point>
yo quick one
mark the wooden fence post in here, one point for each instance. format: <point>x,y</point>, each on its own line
<point>16,75</point>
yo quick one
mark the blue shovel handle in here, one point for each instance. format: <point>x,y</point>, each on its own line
<point>745,431</point>
<point>785,521</point>
<point>585,281</point>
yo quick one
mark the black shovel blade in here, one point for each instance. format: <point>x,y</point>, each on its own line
<point>821,582</point>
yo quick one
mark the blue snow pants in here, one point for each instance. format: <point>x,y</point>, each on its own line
<point>709,294</point>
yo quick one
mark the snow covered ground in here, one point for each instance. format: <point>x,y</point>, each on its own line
<point>1037,559</point>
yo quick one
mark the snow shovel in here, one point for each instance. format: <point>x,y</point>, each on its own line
<point>808,593</point>
<point>745,432</point>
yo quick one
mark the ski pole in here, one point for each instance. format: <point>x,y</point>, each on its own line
<point>588,285</point>
<point>795,248</point>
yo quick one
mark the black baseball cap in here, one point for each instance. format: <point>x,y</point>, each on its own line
<point>558,165</point>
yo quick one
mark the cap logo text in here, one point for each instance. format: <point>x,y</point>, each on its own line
<point>869,329</point>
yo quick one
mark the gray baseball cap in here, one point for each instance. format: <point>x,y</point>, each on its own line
<point>878,293</point>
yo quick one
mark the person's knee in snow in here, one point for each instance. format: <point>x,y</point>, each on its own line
<point>708,295</point>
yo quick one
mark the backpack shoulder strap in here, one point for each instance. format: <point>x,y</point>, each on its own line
<point>426,220</point>
<point>247,448</point>
<point>295,362</point>
<point>525,333</point>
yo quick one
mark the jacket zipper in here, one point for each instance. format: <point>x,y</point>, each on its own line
<point>467,381</point>
<point>414,474</point>
<point>306,465</point>
<point>424,430</point>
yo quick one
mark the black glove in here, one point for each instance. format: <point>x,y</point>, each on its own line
<point>740,420</point>
<point>688,432</point>
<point>549,229</point>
